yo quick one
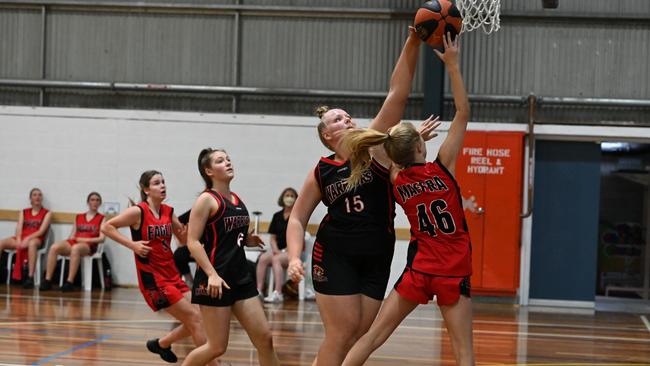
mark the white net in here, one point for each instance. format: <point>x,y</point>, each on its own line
<point>480,14</point>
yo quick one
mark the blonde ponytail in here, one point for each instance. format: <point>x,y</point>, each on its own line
<point>357,143</point>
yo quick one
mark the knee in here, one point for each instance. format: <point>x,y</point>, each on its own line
<point>347,334</point>
<point>216,349</point>
<point>276,260</point>
<point>265,341</point>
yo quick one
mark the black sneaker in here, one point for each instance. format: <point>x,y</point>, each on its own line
<point>46,285</point>
<point>29,283</point>
<point>67,287</point>
<point>165,353</point>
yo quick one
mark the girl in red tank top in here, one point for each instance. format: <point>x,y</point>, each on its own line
<point>439,256</point>
<point>31,228</point>
<point>83,241</point>
<point>152,224</point>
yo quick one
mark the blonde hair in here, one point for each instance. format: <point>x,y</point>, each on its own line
<point>400,143</point>
<point>320,112</point>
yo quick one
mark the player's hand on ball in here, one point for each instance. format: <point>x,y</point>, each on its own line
<point>452,48</point>
<point>295,270</point>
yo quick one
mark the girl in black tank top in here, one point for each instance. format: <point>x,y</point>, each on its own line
<point>217,233</point>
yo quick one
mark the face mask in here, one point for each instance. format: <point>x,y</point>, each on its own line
<point>288,201</point>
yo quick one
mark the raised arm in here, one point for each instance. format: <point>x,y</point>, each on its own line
<point>400,85</point>
<point>307,201</point>
<point>453,143</point>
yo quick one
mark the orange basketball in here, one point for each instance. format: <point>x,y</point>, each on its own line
<point>435,18</point>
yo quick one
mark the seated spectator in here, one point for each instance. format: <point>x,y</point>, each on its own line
<point>32,226</point>
<point>83,241</point>
<point>277,255</point>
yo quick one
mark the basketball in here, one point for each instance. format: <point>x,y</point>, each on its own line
<point>435,18</point>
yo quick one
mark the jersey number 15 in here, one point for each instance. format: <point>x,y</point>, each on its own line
<point>435,217</point>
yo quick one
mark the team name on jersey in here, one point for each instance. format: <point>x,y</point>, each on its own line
<point>336,189</point>
<point>86,228</point>
<point>159,231</point>
<point>410,190</point>
<point>32,224</point>
<point>235,222</point>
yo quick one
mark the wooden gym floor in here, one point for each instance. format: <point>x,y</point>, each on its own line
<point>111,328</point>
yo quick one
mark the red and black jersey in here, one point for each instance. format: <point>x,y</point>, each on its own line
<point>88,229</point>
<point>366,212</point>
<point>224,238</point>
<point>440,243</point>
<point>158,231</point>
<point>31,223</point>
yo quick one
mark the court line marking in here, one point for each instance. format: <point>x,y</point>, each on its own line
<point>72,349</point>
<point>646,322</point>
<point>271,310</point>
<point>487,332</point>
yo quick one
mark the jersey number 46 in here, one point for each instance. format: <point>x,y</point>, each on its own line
<point>435,217</point>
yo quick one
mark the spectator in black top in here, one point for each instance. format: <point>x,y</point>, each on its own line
<point>277,255</point>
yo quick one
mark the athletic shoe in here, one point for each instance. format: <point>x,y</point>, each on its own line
<point>46,285</point>
<point>29,282</point>
<point>67,287</point>
<point>165,353</point>
<point>275,297</point>
<point>310,294</point>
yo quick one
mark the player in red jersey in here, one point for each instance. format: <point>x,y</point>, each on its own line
<point>33,223</point>
<point>83,241</point>
<point>439,255</point>
<point>152,224</point>
<point>223,286</point>
<point>355,241</point>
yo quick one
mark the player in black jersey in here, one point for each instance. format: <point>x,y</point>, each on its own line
<point>217,233</point>
<point>354,245</point>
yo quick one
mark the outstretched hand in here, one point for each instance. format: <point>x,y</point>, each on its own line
<point>428,127</point>
<point>452,49</point>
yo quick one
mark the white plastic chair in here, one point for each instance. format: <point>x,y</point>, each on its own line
<point>49,239</point>
<point>86,268</point>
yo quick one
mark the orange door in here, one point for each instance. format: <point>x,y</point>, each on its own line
<point>502,233</point>
<point>489,169</point>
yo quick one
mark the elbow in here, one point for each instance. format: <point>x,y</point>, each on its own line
<point>104,228</point>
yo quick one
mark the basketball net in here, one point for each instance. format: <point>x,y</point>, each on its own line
<point>480,13</point>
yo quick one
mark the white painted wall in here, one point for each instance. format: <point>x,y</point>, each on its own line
<point>70,152</point>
